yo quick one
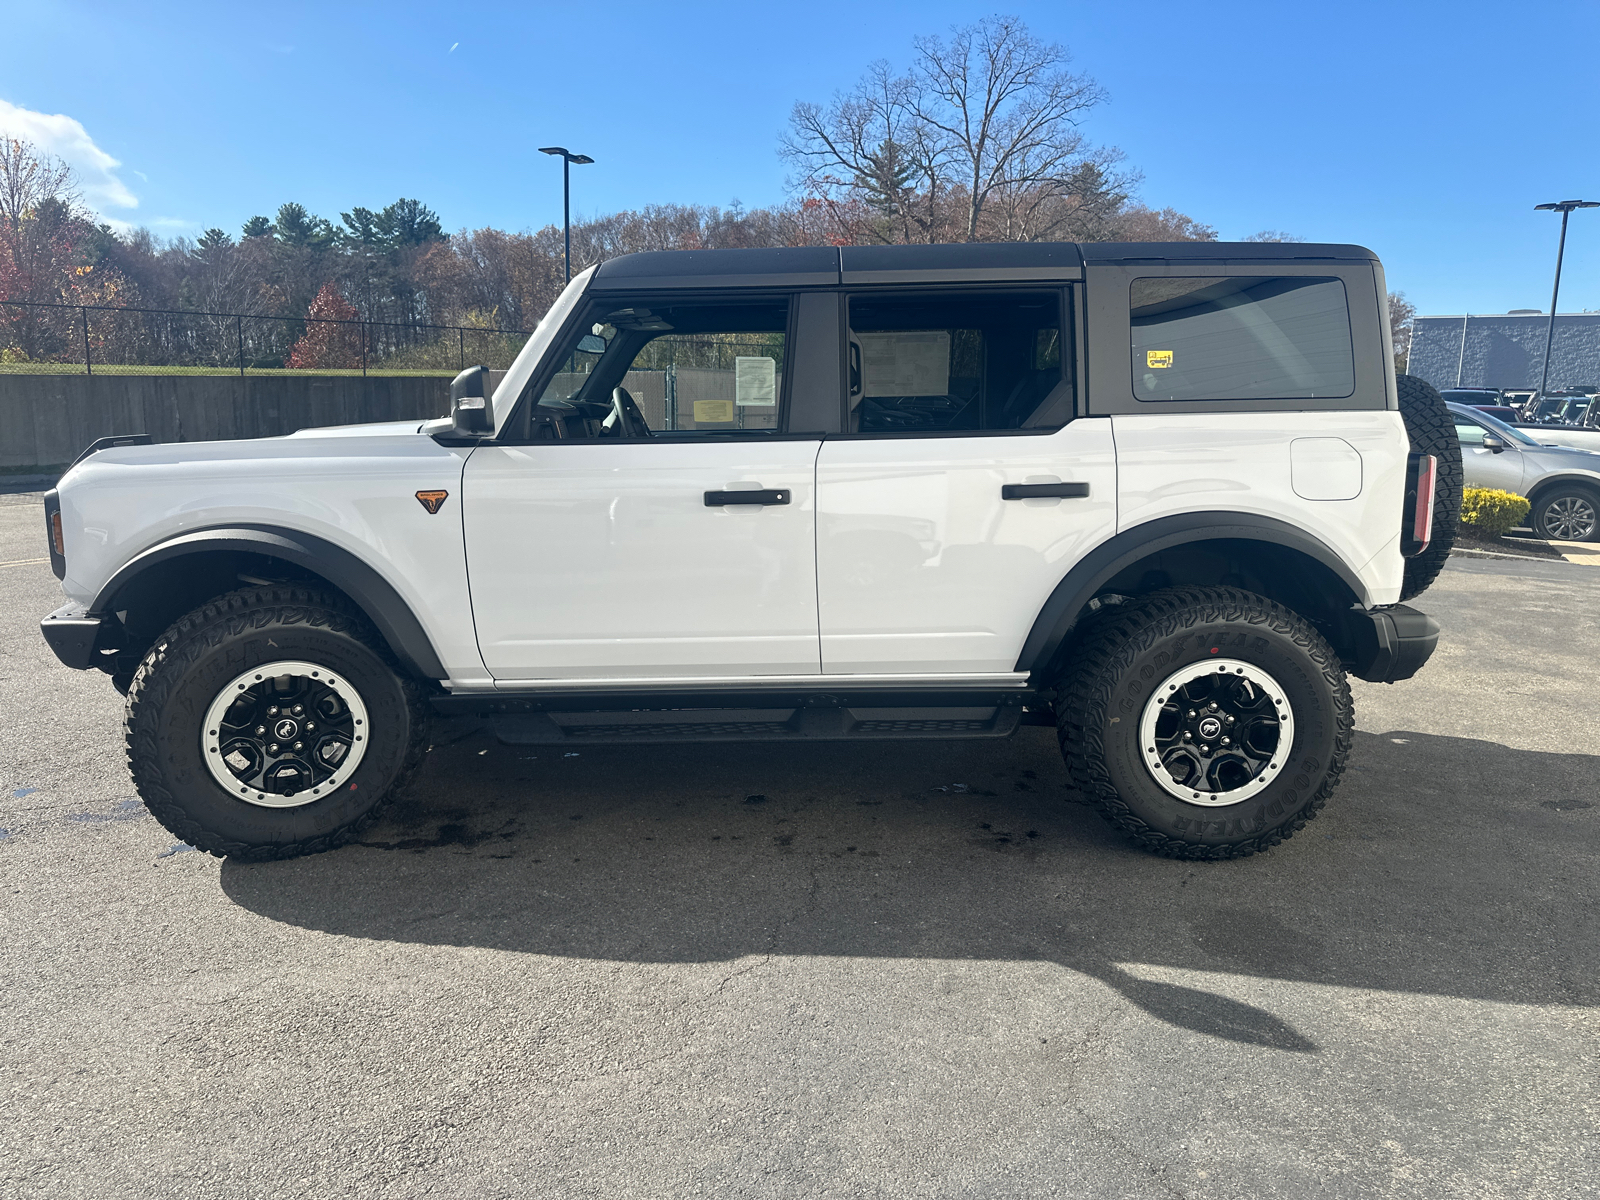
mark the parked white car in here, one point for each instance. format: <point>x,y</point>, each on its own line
<point>1157,496</point>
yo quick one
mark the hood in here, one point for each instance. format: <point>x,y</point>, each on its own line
<point>374,429</point>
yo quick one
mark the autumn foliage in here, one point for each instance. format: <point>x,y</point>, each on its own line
<point>327,344</point>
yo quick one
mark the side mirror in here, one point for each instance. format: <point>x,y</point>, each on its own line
<point>1494,443</point>
<point>470,411</point>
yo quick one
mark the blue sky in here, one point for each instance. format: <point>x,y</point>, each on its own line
<point>1426,131</point>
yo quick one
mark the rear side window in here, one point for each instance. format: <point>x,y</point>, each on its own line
<point>1241,338</point>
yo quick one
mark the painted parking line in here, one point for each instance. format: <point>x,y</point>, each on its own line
<point>24,562</point>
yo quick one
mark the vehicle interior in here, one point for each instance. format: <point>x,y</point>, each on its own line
<point>957,362</point>
<point>674,369</point>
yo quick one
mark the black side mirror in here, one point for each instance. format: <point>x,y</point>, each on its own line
<point>470,412</point>
<point>1494,443</point>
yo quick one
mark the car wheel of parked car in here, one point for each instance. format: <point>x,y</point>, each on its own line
<point>1568,513</point>
<point>1205,723</point>
<point>1432,430</point>
<point>269,723</point>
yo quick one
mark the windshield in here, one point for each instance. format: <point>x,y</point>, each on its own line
<point>1496,425</point>
<point>544,333</point>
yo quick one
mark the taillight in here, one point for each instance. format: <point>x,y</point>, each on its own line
<point>57,543</point>
<point>1422,514</point>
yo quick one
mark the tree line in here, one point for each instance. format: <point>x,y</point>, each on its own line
<point>979,140</point>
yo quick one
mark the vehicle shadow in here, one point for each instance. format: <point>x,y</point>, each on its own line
<point>1443,865</point>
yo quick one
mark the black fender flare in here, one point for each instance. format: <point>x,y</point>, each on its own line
<point>1102,564</point>
<point>370,591</point>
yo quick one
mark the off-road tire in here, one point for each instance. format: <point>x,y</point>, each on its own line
<point>1110,680</point>
<point>199,654</point>
<point>1539,514</point>
<point>1432,430</point>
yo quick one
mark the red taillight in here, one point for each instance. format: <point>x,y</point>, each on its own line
<point>56,540</point>
<point>1422,518</point>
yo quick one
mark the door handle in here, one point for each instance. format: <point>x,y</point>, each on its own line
<point>770,496</point>
<point>1044,491</point>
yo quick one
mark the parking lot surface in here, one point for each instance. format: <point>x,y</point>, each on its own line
<point>891,969</point>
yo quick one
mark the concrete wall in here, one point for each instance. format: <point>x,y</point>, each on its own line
<point>1505,351</point>
<point>47,420</point>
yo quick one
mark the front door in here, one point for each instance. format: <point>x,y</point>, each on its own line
<point>1482,467</point>
<point>960,495</point>
<point>616,551</point>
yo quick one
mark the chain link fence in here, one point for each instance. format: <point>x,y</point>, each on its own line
<point>43,339</point>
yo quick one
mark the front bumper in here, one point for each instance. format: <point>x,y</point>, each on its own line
<point>72,634</point>
<point>1391,643</point>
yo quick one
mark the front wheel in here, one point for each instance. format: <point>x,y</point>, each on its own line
<point>1206,722</point>
<point>269,723</point>
<point>1568,514</point>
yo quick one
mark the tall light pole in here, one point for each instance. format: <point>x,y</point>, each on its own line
<point>1564,207</point>
<point>567,159</point>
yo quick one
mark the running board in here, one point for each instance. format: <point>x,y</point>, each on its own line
<point>813,722</point>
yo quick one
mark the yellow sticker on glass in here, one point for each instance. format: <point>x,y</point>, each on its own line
<point>1158,358</point>
<point>712,412</point>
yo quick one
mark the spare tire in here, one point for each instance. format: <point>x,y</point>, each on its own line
<point>1432,431</point>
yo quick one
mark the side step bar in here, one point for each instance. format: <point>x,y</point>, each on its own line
<point>818,722</point>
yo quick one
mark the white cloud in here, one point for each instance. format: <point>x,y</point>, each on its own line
<point>69,140</point>
<point>452,49</point>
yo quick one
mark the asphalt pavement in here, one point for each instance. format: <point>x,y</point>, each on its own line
<point>891,969</point>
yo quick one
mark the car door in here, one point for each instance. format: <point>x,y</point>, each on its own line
<point>1482,467</point>
<point>609,554</point>
<point>962,491</point>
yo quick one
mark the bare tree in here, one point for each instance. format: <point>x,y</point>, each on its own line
<point>1272,235</point>
<point>1138,223</point>
<point>1008,109</point>
<point>1402,320</point>
<point>978,142</point>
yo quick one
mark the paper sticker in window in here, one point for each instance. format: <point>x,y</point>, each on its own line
<point>1158,358</point>
<point>905,364</point>
<point>755,382</point>
<point>713,412</point>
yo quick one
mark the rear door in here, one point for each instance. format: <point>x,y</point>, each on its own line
<point>962,490</point>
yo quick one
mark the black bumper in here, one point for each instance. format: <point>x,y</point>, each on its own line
<point>1391,643</point>
<point>72,634</point>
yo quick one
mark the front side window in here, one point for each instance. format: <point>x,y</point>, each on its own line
<point>957,362</point>
<point>1241,338</point>
<point>686,369</point>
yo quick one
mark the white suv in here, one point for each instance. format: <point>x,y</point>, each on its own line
<point>1158,496</point>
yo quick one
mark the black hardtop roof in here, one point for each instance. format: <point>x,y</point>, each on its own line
<point>831,266</point>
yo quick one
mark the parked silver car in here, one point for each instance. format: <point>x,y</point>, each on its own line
<point>1562,483</point>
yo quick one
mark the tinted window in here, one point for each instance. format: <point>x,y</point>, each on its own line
<point>963,362</point>
<point>1241,338</point>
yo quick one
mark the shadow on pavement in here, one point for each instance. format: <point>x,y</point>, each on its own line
<point>1443,866</point>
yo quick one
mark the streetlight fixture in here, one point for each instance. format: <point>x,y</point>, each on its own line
<point>567,159</point>
<point>1564,207</point>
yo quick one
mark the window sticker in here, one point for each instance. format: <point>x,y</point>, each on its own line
<point>905,364</point>
<point>1158,358</point>
<point>713,412</point>
<point>755,382</point>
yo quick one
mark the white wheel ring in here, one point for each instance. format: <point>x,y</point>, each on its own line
<point>1234,668</point>
<point>211,743</point>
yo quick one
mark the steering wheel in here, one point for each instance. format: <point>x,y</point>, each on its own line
<point>625,418</point>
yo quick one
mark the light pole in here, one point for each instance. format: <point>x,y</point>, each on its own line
<point>567,159</point>
<point>1564,207</point>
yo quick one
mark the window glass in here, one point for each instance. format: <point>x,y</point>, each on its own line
<point>689,368</point>
<point>1468,433</point>
<point>1241,338</point>
<point>957,362</point>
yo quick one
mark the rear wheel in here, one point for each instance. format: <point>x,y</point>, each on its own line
<point>1568,513</point>
<point>270,723</point>
<point>1206,722</point>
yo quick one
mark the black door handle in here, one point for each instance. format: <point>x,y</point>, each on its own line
<point>1044,491</point>
<point>771,496</point>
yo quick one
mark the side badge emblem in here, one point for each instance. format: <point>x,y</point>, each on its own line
<point>432,501</point>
